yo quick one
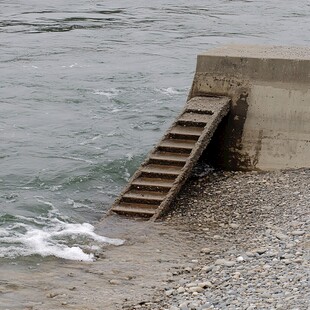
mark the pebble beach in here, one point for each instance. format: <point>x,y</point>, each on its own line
<point>250,243</point>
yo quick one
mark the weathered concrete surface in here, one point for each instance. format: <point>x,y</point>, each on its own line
<point>269,124</point>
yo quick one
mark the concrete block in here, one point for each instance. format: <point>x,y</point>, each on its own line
<point>269,124</point>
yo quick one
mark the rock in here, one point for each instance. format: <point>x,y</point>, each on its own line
<point>297,232</point>
<point>191,284</point>
<point>224,262</point>
<point>52,295</point>
<point>234,225</point>
<point>205,250</point>
<point>239,259</point>
<point>183,306</point>
<point>281,236</point>
<point>217,237</point>
<point>207,268</point>
<point>180,290</point>
<point>196,289</point>
<point>261,251</point>
<point>169,292</point>
<point>205,284</point>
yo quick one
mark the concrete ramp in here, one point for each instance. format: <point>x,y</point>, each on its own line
<point>156,183</point>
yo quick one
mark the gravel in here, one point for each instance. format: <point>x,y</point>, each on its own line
<point>251,244</point>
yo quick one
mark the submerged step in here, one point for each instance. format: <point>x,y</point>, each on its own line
<point>153,187</point>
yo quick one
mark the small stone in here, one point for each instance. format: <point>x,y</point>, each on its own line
<point>239,259</point>
<point>180,290</point>
<point>281,236</point>
<point>224,262</point>
<point>115,282</point>
<point>196,289</point>
<point>169,292</point>
<point>52,295</point>
<point>205,284</point>
<point>207,268</point>
<point>234,225</point>
<point>188,269</point>
<point>236,275</point>
<point>260,251</point>
<point>205,250</point>
<point>298,232</point>
<point>183,306</point>
<point>191,284</point>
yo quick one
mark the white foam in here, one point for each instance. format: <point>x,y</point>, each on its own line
<point>57,238</point>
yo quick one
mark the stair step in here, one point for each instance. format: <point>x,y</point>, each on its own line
<point>144,196</point>
<point>170,157</point>
<point>130,208</point>
<point>186,130</point>
<point>153,182</point>
<point>177,144</point>
<point>162,169</point>
<point>194,119</point>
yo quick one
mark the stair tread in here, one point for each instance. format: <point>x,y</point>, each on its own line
<point>157,182</point>
<point>178,143</point>
<point>133,210</point>
<point>179,157</point>
<point>186,130</point>
<point>149,195</point>
<point>194,117</point>
<point>162,169</point>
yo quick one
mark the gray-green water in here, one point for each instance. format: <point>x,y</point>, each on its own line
<point>87,87</point>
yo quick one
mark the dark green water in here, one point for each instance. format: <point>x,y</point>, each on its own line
<point>87,87</point>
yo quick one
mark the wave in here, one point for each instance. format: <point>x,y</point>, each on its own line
<point>50,235</point>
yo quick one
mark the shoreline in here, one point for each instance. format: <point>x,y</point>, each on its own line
<point>235,240</point>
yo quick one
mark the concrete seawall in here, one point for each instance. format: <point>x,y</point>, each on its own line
<point>269,123</point>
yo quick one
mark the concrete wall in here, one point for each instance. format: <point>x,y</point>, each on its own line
<point>269,123</point>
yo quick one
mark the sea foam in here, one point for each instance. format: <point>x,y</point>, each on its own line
<point>52,236</point>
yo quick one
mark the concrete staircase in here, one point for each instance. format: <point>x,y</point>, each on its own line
<point>156,183</point>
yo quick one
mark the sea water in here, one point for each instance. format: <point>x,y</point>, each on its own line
<point>86,89</point>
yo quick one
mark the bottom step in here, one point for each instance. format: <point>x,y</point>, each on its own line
<point>135,208</point>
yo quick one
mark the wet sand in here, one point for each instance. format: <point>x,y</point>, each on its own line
<point>121,275</point>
